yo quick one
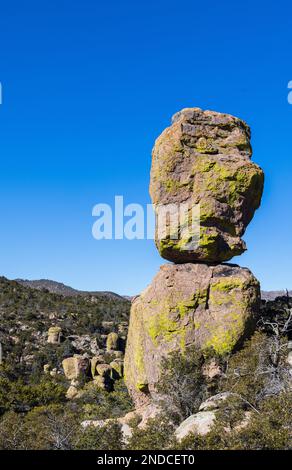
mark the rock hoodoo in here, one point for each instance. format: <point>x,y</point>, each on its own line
<point>203,159</point>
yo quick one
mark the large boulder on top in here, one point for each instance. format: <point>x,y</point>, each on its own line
<point>204,160</point>
<point>209,307</point>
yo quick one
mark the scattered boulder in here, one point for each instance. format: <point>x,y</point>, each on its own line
<point>140,416</point>
<point>84,343</point>
<point>200,423</point>
<point>72,392</point>
<point>212,369</point>
<point>103,369</point>
<point>53,372</point>
<point>54,335</point>
<point>46,368</point>
<point>205,158</point>
<point>217,401</point>
<point>150,411</point>
<point>210,307</point>
<point>75,366</point>
<point>117,369</point>
<point>289,358</point>
<point>112,342</point>
<point>100,382</point>
<point>94,362</point>
<point>117,354</point>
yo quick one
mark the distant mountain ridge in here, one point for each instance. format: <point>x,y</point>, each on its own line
<point>273,294</point>
<point>62,289</point>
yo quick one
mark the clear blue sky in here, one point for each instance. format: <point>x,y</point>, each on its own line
<point>88,86</point>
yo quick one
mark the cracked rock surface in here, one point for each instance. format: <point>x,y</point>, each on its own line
<point>204,158</point>
<point>211,307</point>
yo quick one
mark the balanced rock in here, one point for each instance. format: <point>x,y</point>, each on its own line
<point>204,160</point>
<point>209,307</point>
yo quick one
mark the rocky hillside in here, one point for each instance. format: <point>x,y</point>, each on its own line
<point>61,379</point>
<point>28,315</point>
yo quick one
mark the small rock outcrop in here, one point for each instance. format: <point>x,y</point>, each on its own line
<point>201,423</point>
<point>112,342</point>
<point>54,335</point>
<point>75,367</point>
<point>205,158</point>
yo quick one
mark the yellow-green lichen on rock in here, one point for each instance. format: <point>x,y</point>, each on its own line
<point>134,367</point>
<point>210,307</point>
<point>204,158</point>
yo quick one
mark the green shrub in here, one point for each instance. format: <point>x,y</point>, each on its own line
<point>108,437</point>
<point>182,384</point>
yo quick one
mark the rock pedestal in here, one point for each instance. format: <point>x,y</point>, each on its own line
<point>210,307</point>
<point>202,161</point>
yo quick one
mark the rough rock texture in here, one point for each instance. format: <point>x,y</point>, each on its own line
<point>211,307</point>
<point>75,366</point>
<point>72,392</point>
<point>93,363</point>
<point>204,158</point>
<point>203,421</point>
<point>54,335</point>
<point>289,358</point>
<point>103,369</point>
<point>125,423</point>
<point>100,382</point>
<point>217,401</point>
<point>112,342</point>
<point>200,423</point>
